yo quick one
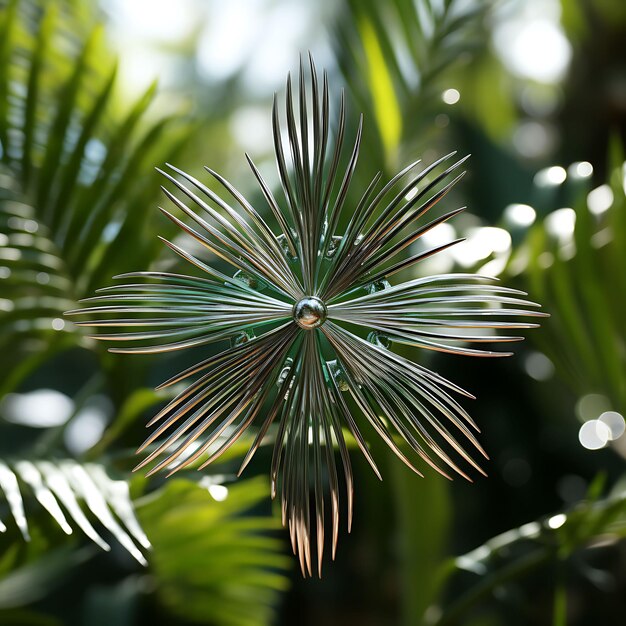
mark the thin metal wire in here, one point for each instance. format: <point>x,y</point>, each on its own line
<point>323,378</point>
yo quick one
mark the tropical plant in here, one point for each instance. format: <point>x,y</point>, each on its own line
<point>65,486</point>
<point>70,164</point>
<point>77,195</point>
<point>562,540</point>
<point>566,258</point>
<point>395,57</point>
<point>564,255</point>
<point>213,563</point>
<point>74,192</point>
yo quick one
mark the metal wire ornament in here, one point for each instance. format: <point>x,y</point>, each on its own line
<point>312,321</point>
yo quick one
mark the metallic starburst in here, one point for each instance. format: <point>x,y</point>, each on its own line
<point>312,321</point>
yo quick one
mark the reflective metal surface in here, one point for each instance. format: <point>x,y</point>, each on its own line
<point>305,297</point>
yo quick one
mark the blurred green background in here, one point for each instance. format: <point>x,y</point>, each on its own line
<point>535,90</point>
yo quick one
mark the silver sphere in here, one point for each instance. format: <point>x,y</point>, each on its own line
<point>309,313</point>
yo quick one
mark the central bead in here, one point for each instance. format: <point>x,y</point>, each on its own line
<point>309,313</point>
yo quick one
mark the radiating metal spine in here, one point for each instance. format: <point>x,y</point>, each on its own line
<point>312,321</point>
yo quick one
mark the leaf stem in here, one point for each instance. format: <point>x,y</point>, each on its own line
<point>559,612</point>
<point>457,611</point>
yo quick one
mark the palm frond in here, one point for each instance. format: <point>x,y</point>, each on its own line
<point>70,202</point>
<point>568,257</point>
<point>216,561</point>
<point>507,558</point>
<point>394,57</point>
<point>27,583</point>
<point>70,493</point>
<point>312,319</point>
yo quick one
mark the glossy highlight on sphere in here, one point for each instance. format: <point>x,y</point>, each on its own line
<point>309,313</point>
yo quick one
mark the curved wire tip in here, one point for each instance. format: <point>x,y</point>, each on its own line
<point>312,332</point>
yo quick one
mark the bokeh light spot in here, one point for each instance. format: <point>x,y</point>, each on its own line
<point>594,435</point>
<point>538,366</point>
<point>451,96</point>
<point>556,521</point>
<point>600,199</point>
<point>615,423</point>
<point>520,214</point>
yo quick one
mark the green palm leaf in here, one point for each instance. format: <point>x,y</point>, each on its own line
<point>71,164</point>
<point>69,491</point>
<point>216,560</point>
<point>510,557</point>
<point>568,258</point>
<point>394,55</point>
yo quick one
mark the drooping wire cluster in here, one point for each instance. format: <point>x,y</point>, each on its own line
<point>312,321</point>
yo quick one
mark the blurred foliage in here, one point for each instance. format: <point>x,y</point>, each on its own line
<point>212,563</point>
<point>593,524</point>
<point>599,71</point>
<point>568,259</point>
<point>77,205</point>
<point>394,56</point>
<point>72,165</point>
<point>66,485</point>
<point>75,189</point>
